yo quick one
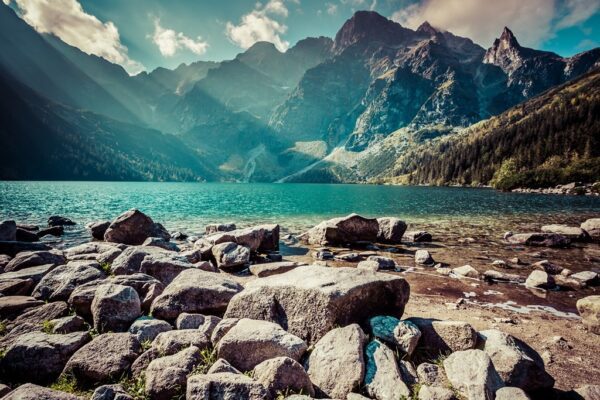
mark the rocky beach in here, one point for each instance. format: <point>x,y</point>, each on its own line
<point>352,308</point>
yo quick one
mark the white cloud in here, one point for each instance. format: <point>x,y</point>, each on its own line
<point>331,8</point>
<point>67,20</point>
<point>169,41</point>
<point>260,25</point>
<point>532,21</point>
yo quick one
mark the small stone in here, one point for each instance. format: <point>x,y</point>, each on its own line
<point>417,236</point>
<point>423,257</point>
<point>466,271</point>
<point>539,280</point>
<point>189,321</point>
<point>402,334</point>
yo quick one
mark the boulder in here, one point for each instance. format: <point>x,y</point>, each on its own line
<point>589,309</point>
<point>195,291</point>
<point>146,329</point>
<point>92,248</point>
<point>503,276</point>
<point>164,268</point>
<point>224,386</point>
<point>250,342</point>
<point>57,220</point>
<point>435,393</point>
<point>12,248</point>
<point>98,229</point>
<point>472,373</point>
<point>115,307</point>
<point>170,342</point>
<point>344,295</point>
<point>369,265</point>
<point>431,375</point>
<point>401,334</point>
<point>222,328</point>
<point>111,392</point>
<point>68,324</point>
<point>215,228</point>
<point>511,393</point>
<point>336,365</point>
<point>230,254</point>
<point>8,231</point>
<point>222,365</point>
<point>539,280</point>
<point>538,239</point>
<point>441,337</point>
<point>166,377</point>
<point>586,278</point>
<point>385,263</point>
<point>45,312</point>
<point>12,306</point>
<point>130,260</point>
<point>106,358</point>
<point>339,231</point>
<point>29,391</point>
<point>382,376</point>
<point>4,260</point>
<point>39,357</point>
<point>517,364</point>
<point>59,283</point>
<point>592,227</point>
<point>28,259</point>
<point>133,227</point>
<point>417,236</point>
<point>16,287</point>
<point>189,321</point>
<point>574,233</point>
<point>26,236</point>
<point>423,257</point>
<point>466,271</point>
<point>390,230</point>
<point>283,375</point>
<point>209,325</point>
<point>273,268</point>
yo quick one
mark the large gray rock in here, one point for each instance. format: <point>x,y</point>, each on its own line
<point>164,267</point>
<point>441,337</point>
<point>98,229</point>
<point>435,393</point>
<point>222,328</point>
<point>592,227</point>
<point>339,231</point>
<point>166,377</point>
<point>251,342</point>
<point>222,365</point>
<point>106,358</point>
<point>511,393</point>
<point>472,373</point>
<point>401,334</point>
<point>68,324</point>
<point>517,364</point>
<point>224,386</point>
<point>16,287</point>
<point>262,238</point>
<point>538,239</point>
<point>283,375</point>
<point>12,248</point>
<point>390,230</point>
<point>12,306</point>
<point>91,248</point>
<point>574,233</point>
<point>115,307</point>
<point>39,357</point>
<point>133,227</point>
<point>195,291</point>
<point>38,315</point>
<point>344,296</point>
<point>170,342</point>
<point>8,231</point>
<point>147,329</point>
<point>29,391</point>
<point>26,259</point>
<point>589,309</point>
<point>160,242</point>
<point>382,376</point>
<point>230,254</point>
<point>540,280</point>
<point>59,283</point>
<point>34,273</point>
<point>130,260</point>
<point>336,365</point>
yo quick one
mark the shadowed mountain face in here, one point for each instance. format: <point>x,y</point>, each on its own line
<point>310,113</point>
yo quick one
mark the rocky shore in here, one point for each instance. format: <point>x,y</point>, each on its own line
<point>352,313</point>
<point>573,188</point>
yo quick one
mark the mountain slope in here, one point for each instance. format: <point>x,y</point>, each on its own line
<point>44,140</point>
<point>550,139</point>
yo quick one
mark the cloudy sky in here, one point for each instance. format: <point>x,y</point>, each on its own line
<point>145,34</point>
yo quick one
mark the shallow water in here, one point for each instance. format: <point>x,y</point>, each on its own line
<point>190,206</point>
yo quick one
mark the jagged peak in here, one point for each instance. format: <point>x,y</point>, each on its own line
<point>509,38</point>
<point>427,28</point>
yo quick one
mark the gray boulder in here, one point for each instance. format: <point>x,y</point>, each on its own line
<point>59,283</point>
<point>38,315</point>
<point>189,321</point>
<point>69,324</point>
<point>8,231</point>
<point>222,365</point>
<point>472,373</point>
<point>224,386</point>
<point>384,263</point>
<point>511,393</point>
<point>540,280</point>
<point>115,307</point>
<point>16,287</point>
<point>382,375</point>
<point>423,257</point>
<point>230,254</point>
<point>166,377</point>
<point>147,329</point>
<point>401,334</point>
<point>435,393</point>
<point>251,342</point>
<point>336,365</point>
<point>98,229</point>
<point>339,231</point>
<point>12,306</point>
<point>106,358</point>
<point>170,342</point>
<point>282,375</point>
<point>274,268</point>
<point>222,328</point>
<point>391,230</point>
<point>195,291</point>
<point>345,296</point>
<point>163,267</point>
<point>29,391</point>
<point>160,242</point>
<point>441,337</point>
<point>133,227</point>
<point>574,233</point>
<point>26,259</point>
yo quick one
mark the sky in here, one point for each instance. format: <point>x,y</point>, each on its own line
<point>146,34</point>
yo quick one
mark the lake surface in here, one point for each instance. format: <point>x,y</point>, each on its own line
<point>190,206</point>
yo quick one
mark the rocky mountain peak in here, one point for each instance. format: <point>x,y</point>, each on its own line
<point>506,52</point>
<point>508,38</point>
<point>368,26</point>
<point>426,29</point>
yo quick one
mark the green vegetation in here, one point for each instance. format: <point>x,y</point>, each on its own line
<point>551,139</point>
<point>47,326</point>
<point>106,268</point>
<point>3,329</point>
<point>207,358</point>
<point>67,383</point>
<point>136,387</point>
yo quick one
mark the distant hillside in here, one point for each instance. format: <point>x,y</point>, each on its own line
<point>551,139</point>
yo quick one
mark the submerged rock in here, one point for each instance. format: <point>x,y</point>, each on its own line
<point>57,220</point>
<point>344,295</point>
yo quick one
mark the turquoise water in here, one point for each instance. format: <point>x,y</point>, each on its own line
<point>189,206</point>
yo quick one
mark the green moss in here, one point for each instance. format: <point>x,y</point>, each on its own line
<point>47,326</point>
<point>3,329</point>
<point>106,268</point>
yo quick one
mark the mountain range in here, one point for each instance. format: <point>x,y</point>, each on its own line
<point>347,109</point>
